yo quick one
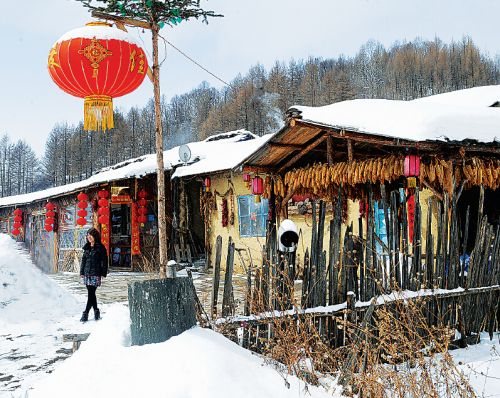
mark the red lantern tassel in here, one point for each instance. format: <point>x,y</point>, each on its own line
<point>98,113</point>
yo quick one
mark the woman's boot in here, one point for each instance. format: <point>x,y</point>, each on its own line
<point>97,314</point>
<point>85,317</point>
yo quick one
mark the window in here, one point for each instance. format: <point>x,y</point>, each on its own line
<point>252,216</point>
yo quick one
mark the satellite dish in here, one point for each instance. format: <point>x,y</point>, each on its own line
<point>184,153</point>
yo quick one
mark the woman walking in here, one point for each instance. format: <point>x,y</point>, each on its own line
<point>94,266</point>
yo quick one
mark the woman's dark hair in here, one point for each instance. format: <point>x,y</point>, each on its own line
<point>95,233</point>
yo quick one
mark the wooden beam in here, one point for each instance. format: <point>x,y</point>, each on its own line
<point>283,145</point>
<point>122,20</point>
<point>329,149</point>
<point>431,188</point>
<point>312,145</point>
<point>350,154</point>
<point>258,169</point>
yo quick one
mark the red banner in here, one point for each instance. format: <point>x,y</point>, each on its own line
<point>410,200</point>
<point>120,199</point>
<point>105,236</point>
<point>136,245</point>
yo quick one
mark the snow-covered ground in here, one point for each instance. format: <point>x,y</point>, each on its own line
<point>34,362</point>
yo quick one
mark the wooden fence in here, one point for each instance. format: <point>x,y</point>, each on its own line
<point>355,269</point>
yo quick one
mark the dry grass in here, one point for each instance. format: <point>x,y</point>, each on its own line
<point>401,352</point>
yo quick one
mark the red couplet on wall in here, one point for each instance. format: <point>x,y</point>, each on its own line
<point>410,201</point>
<point>136,245</point>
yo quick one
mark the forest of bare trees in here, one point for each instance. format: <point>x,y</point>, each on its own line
<point>255,101</point>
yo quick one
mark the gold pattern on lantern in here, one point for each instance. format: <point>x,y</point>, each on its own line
<point>52,62</point>
<point>132,61</point>
<point>95,52</point>
<point>141,64</point>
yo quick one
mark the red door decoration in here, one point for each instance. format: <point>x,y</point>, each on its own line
<point>50,215</point>
<point>82,206</point>
<point>136,239</point>
<point>18,222</point>
<point>98,63</point>
<point>103,216</point>
<point>411,215</point>
<point>142,207</point>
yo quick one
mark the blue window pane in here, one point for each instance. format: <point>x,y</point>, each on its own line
<point>252,216</point>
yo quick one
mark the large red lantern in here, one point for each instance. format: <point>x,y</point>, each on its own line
<point>98,63</point>
<point>412,166</point>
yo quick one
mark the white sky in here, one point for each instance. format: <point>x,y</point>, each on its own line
<point>251,31</point>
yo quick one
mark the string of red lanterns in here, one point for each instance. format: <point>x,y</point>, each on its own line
<point>82,205</point>
<point>103,203</point>
<point>142,208</point>
<point>50,215</point>
<point>18,222</point>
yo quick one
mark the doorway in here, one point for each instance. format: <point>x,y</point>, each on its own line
<point>120,236</point>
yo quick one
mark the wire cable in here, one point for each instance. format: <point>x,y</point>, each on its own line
<point>195,62</point>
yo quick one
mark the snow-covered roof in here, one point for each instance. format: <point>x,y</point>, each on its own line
<point>483,96</point>
<point>454,116</point>
<point>216,153</point>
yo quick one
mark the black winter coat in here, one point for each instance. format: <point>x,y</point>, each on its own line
<point>94,260</point>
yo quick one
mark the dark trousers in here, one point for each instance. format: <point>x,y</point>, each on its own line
<point>91,299</point>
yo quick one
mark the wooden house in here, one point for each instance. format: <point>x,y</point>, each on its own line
<point>414,183</point>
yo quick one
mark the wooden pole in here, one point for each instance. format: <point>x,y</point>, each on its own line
<point>160,173</point>
<point>162,219</point>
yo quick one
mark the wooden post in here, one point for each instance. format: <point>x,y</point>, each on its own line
<point>216,276</point>
<point>227,300</point>
<point>160,172</point>
<point>329,150</point>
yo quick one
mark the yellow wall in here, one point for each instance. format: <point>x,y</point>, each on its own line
<point>253,246</point>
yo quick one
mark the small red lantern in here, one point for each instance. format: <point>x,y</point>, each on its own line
<point>50,206</point>
<point>103,202</point>
<point>18,212</point>
<point>143,219</point>
<point>18,219</point>
<point>15,232</point>
<point>142,202</point>
<point>50,213</point>
<point>142,194</point>
<point>97,62</point>
<point>257,188</point>
<point>82,197</point>
<point>82,213</point>
<point>49,228</point>
<point>246,177</point>
<point>207,183</point>
<point>412,166</point>
<point>103,194</point>
<point>81,221</point>
<point>17,225</point>
<point>50,220</point>
<point>103,211</point>
<point>142,211</point>
<point>83,205</point>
